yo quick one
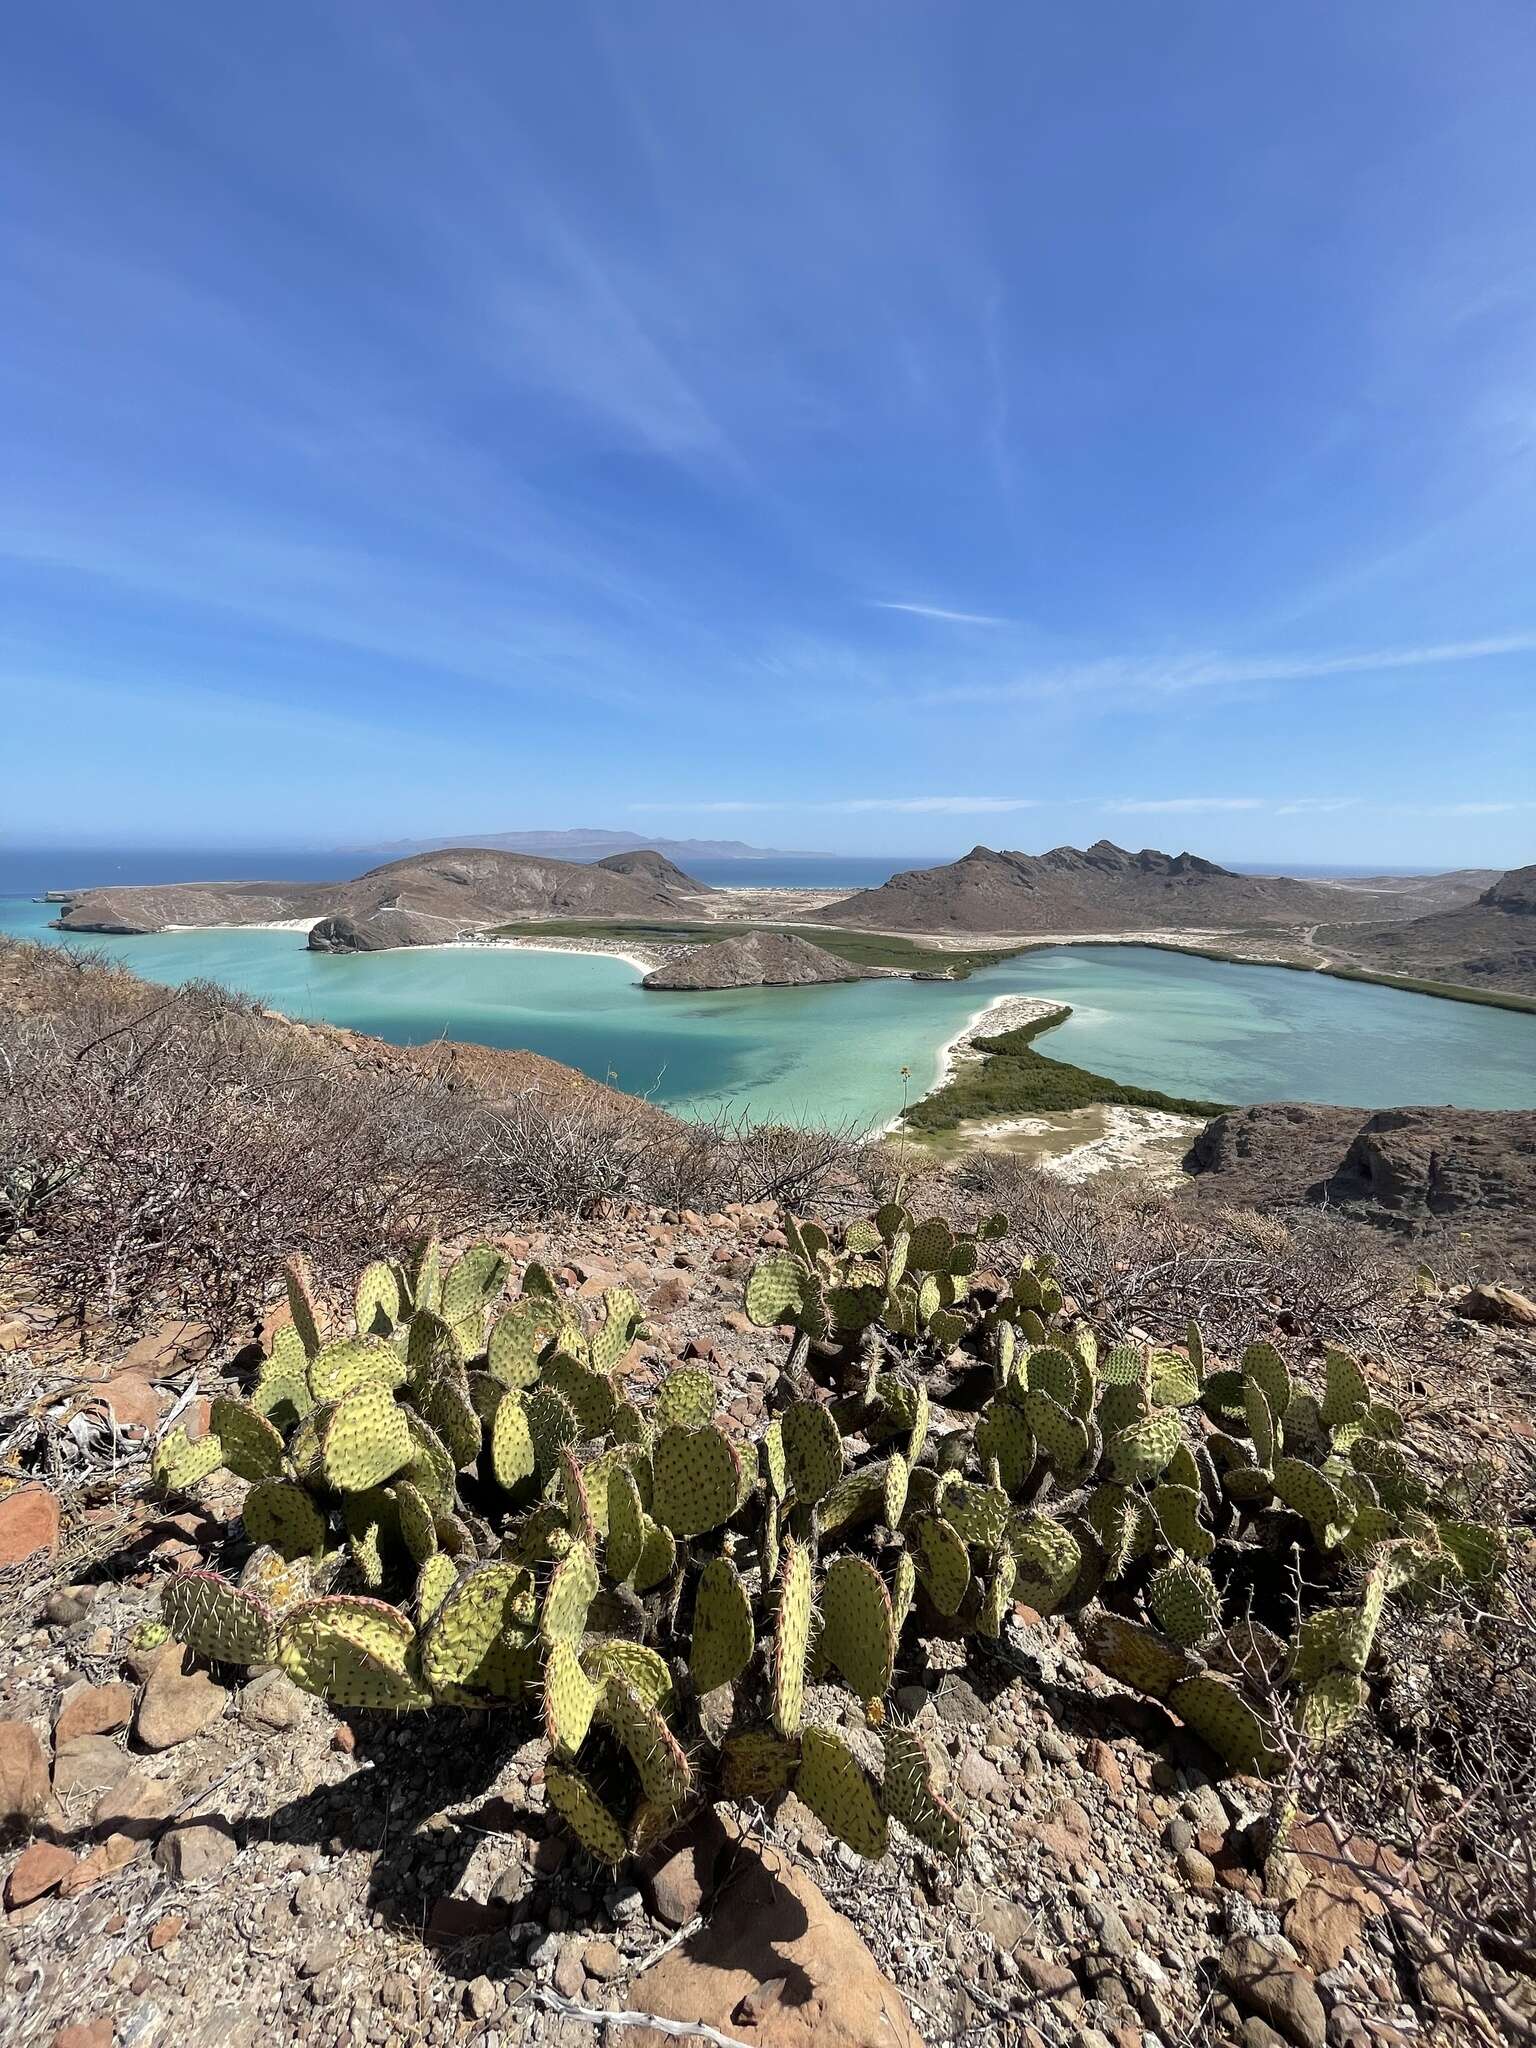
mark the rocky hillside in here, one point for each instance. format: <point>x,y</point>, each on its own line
<point>1102,888</point>
<point>462,889</point>
<point>755,960</point>
<point>1429,1175</point>
<point>1490,943</point>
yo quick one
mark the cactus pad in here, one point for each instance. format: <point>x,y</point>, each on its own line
<point>304,1305</point>
<point>1220,1716</point>
<point>664,1771</point>
<point>813,1450</point>
<point>858,1631</point>
<point>512,1458</point>
<point>364,1439</point>
<point>908,1795</point>
<point>282,1514</point>
<point>179,1464</point>
<point>1141,1451</point>
<point>1184,1602</point>
<point>696,1477</point>
<point>571,1591</point>
<point>943,1563</point>
<point>837,1789</point>
<point>217,1620</point>
<point>570,1700</point>
<point>775,1289</point>
<point>723,1636</point>
<point>348,1362</point>
<point>1134,1656</point>
<point>474,1282</point>
<point>1327,1510</point>
<point>792,1639</point>
<point>253,1448</point>
<point>685,1399</point>
<point>589,1820</point>
<point>353,1652</point>
<point>478,1643</point>
<point>642,1669</point>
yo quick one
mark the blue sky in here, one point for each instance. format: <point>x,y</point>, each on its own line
<point>864,427</point>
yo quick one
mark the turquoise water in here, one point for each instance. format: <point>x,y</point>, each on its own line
<point>1160,1020</point>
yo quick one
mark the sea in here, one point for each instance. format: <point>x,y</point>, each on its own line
<point>846,1054</point>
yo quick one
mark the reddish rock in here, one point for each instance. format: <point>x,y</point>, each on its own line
<point>135,1806</point>
<point>170,1344</point>
<point>29,1522</point>
<point>23,1774</point>
<point>133,1402</point>
<point>92,1710</point>
<point>1101,1760</point>
<point>84,2034</point>
<point>165,1931</point>
<point>777,1958</point>
<point>679,1880</point>
<point>178,1702</point>
<point>105,1860</point>
<point>40,1869</point>
<point>1327,1922</point>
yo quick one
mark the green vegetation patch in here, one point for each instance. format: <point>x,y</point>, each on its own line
<point>1015,1080</point>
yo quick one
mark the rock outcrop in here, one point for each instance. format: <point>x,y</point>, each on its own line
<point>1101,888</point>
<point>1418,1172</point>
<point>755,960</point>
<point>378,933</point>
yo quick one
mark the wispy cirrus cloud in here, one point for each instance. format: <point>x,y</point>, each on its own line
<point>954,805</point>
<point>1187,803</point>
<point>936,611</point>
<point>1171,675</point>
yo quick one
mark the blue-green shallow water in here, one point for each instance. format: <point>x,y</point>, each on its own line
<point>1161,1020</point>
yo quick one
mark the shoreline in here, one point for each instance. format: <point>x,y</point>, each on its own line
<point>1020,1010</point>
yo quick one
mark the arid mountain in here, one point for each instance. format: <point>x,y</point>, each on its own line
<point>1487,944</point>
<point>756,960</point>
<point>581,843</point>
<point>1102,888</point>
<point>462,889</point>
<point>647,865</point>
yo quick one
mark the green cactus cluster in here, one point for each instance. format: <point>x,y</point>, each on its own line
<point>455,1501</point>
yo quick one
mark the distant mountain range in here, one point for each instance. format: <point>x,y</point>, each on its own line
<point>1100,888</point>
<point>589,843</point>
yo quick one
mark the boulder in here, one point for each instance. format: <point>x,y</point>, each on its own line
<point>776,1965</point>
<point>38,1870</point>
<point>92,1710</point>
<point>1261,1979</point>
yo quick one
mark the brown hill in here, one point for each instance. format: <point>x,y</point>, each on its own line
<point>460,889</point>
<point>647,865</point>
<point>756,960</point>
<point>1487,944</point>
<point>1102,888</point>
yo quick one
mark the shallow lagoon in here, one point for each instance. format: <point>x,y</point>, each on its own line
<point>1158,1019</point>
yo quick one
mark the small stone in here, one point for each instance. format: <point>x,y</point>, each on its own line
<point>23,1774</point>
<point>92,1710</point>
<point>165,1931</point>
<point>272,1701</point>
<point>481,1998</point>
<point>323,1956</point>
<point>195,1851</point>
<point>1196,1869</point>
<point>39,1869</point>
<point>84,2034</point>
<point>87,1766</point>
<point>64,1609</point>
<point>135,1805</point>
<point>343,1739</point>
<point>601,1959</point>
<point>1264,1981</point>
<point>179,1702</point>
<point>570,1977</point>
<point>977,1778</point>
<point>105,1860</point>
<point>1104,1764</point>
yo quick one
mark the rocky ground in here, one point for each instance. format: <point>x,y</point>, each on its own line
<point>218,1864</point>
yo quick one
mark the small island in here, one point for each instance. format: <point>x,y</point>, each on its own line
<point>759,959</point>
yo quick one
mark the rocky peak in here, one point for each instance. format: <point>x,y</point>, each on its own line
<point>1515,891</point>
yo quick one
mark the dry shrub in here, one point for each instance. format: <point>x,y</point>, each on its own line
<point>161,1151</point>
